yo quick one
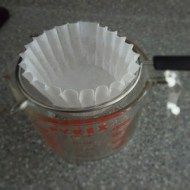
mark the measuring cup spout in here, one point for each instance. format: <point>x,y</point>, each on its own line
<point>19,106</point>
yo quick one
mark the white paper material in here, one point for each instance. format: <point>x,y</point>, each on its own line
<point>79,65</point>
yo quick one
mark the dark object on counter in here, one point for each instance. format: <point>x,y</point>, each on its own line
<point>171,63</point>
<point>4,16</point>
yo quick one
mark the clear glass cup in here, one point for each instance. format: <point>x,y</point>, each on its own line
<point>86,133</point>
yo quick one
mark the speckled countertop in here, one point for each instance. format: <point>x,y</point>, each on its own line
<point>157,157</point>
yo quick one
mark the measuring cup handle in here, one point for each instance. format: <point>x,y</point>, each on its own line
<point>164,69</point>
<point>175,63</point>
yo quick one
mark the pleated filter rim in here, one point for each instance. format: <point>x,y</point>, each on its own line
<point>39,71</point>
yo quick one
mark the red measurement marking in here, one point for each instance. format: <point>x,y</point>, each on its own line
<point>102,127</point>
<point>117,144</point>
<point>64,131</point>
<point>90,131</point>
<point>77,132</point>
<point>121,125</point>
<point>119,134</point>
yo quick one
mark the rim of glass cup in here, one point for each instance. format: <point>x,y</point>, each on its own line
<point>103,105</point>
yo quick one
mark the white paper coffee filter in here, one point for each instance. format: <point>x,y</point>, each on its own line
<point>79,65</point>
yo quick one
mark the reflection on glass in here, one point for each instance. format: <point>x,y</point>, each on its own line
<point>174,84</point>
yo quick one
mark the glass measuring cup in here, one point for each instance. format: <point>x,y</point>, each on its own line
<point>87,133</point>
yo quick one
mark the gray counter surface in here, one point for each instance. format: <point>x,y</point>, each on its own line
<point>157,157</point>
